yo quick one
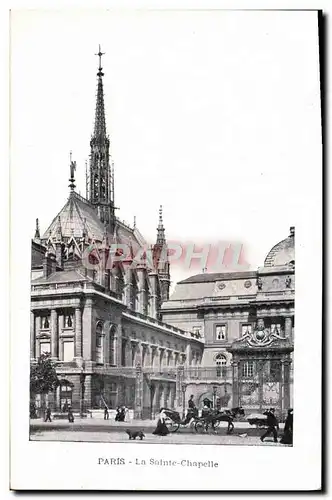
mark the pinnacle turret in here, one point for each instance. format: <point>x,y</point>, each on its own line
<point>37,231</point>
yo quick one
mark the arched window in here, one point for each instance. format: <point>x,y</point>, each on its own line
<point>99,343</point>
<point>112,345</point>
<point>221,362</point>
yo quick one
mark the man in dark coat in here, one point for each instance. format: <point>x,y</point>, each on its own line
<point>287,437</point>
<point>106,413</point>
<point>48,415</point>
<point>272,425</point>
<point>70,415</point>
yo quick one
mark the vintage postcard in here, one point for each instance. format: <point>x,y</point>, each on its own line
<point>166,209</point>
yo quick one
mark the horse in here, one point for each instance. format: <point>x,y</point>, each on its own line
<point>214,417</point>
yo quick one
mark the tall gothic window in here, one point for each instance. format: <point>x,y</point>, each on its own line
<point>112,345</point>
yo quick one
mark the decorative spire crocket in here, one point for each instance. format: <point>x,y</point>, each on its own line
<point>101,190</point>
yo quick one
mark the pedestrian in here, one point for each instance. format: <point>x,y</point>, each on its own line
<point>70,415</point>
<point>161,429</point>
<point>272,425</point>
<point>118,414</point>
<point>287,437</point>
<point>126,414</point>
<point>106,413</point>
<point>48,414</point>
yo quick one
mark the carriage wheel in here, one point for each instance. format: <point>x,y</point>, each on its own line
<point>200,426</point>
<point>172,426</point>
<point>192,425</point>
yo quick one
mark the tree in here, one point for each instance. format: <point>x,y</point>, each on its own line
<point>43,377</point>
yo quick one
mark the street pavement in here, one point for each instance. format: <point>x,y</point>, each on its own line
<point>98,430</point>
<point>174,438</point>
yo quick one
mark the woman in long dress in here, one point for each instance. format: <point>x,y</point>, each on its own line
<point>161,429</point>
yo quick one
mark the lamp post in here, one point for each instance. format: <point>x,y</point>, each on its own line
<point>183,400</point>
<point>214,388</point>
<point>82,383</point>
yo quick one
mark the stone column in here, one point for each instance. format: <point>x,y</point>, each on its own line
<point>189,355</point>
<point>141,290</point>
<point>153,297</point>
<point>236,396</point>
<point>87,330</point>
<point>128,288</point>
<point>54,334</point>
<point>32,336</point>
<point>118,345</point>
<point>138,408</point>
<point>87,392</point>
<point>78,332</point>
<point>179,382</point>
<point>286,384</point>
<point>288,328</point>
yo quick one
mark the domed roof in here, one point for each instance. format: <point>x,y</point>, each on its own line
<point>283,253</point>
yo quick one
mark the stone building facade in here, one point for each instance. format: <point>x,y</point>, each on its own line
<point>115,335</point>
<point>95,309</point>
<point>247,322</point>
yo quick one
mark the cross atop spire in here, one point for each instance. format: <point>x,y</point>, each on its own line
<point>100,122</point>
<point>100,54</point>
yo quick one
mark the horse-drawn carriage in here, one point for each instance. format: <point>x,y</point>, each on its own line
<point>174,421</point>
<point>209,418</point>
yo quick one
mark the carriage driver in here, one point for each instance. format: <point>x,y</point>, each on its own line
<point>192,410</point>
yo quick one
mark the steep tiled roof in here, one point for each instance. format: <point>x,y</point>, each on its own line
<point>78,217</point>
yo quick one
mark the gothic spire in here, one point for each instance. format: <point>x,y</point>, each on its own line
<point>160,229</point>
<point>101,188</point>
<point>37,231</point>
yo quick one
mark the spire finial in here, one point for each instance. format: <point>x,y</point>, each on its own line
<point>72,172</point>
<point>100,54</point>
<point>37,232</point>
<point>134,221</point>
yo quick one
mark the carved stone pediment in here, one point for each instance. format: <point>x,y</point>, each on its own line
<point>261,337</point>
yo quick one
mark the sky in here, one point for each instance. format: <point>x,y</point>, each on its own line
<point>214,114</point>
